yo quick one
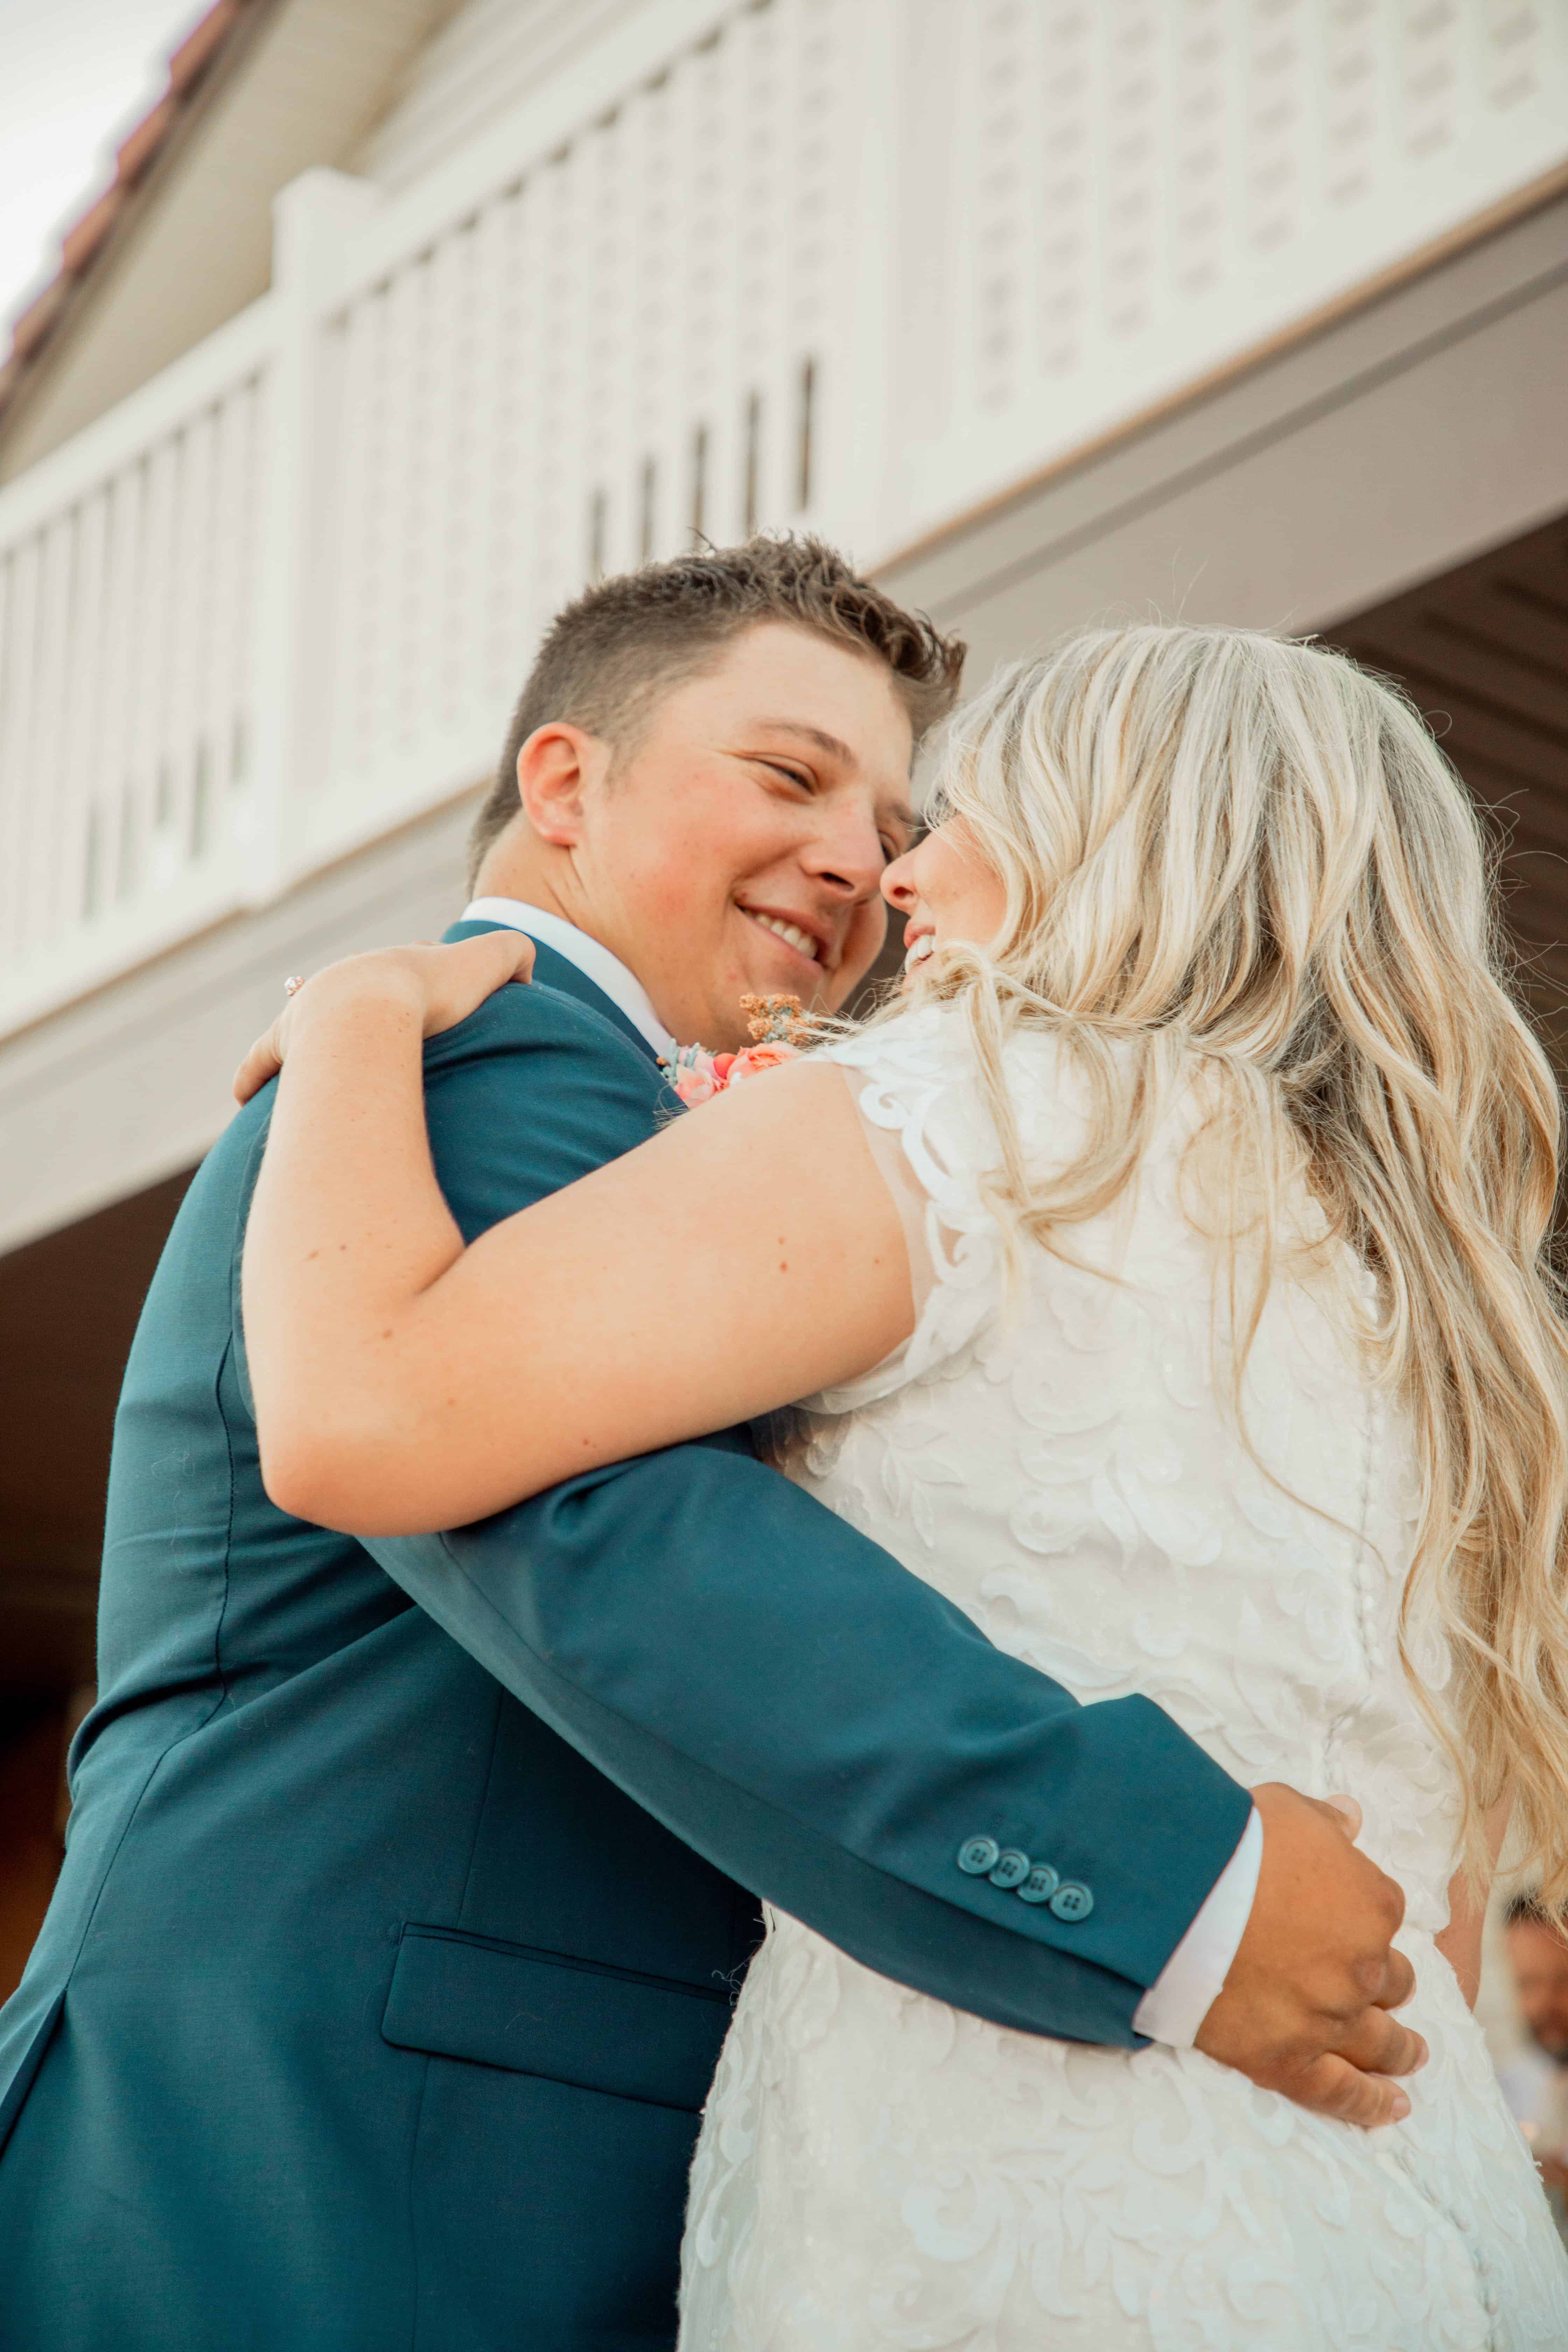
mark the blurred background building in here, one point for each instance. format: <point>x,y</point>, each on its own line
<point>400,319</point>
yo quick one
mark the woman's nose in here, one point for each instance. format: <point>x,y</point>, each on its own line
<point>897,887</point>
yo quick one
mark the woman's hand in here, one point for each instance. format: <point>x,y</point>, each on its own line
<point>441,985</point>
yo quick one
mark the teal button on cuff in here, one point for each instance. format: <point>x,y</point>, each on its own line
<point>978,1856</point>
<point>1072,1902</point>
<point>1010,1868</point>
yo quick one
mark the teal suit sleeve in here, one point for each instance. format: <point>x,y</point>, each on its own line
<point>773,1686</point>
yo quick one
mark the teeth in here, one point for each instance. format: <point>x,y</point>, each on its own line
<point>924,946</point>
<point>801,941</point>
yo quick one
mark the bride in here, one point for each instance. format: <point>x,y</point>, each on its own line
<point>1164,1276</point>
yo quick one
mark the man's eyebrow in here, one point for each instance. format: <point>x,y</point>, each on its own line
<point>817,735</point>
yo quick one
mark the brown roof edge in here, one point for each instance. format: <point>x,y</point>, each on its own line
<point>190,82</point>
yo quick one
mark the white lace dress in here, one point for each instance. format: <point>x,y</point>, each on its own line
<point>876,2169</point>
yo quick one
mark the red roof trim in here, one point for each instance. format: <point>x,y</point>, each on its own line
<point>201,45</point>
<point>135,153</point>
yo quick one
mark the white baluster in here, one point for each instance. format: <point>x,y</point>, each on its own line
<point>20,877</point>
<point>314,218</point>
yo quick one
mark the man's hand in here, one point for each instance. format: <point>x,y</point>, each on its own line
<point>1305,2006</point>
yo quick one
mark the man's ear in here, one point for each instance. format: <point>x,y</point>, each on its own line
<point>555,768</point>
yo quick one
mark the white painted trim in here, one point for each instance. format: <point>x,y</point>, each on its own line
<point>246,346</point>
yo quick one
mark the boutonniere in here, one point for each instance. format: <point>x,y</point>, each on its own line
<point>780,1030</point>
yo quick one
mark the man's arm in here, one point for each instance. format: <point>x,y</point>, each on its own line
<point>830,1731</point>
<point>777,1689</point>
<point>1176,2003</point>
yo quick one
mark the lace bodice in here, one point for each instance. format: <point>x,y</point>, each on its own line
<point>1064,1460</point>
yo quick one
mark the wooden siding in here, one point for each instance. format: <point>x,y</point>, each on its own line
<point>1483,652</point>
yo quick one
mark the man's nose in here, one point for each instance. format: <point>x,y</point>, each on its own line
<point>848,855</point>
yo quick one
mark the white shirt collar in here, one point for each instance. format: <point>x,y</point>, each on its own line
<point>593,959</point>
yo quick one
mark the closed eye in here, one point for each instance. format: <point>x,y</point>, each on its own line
<point>893,844</point>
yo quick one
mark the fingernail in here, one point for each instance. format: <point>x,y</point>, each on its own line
<point>1401,2107</point>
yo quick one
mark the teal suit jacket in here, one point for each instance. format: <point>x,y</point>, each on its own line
<point>408,1881</point>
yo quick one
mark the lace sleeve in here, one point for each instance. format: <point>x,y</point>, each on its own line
<point>927,1134</point>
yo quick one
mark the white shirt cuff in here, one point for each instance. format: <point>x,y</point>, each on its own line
<point>1192,1978</point>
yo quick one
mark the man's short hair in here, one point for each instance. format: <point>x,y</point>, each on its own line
<point>610,655</point>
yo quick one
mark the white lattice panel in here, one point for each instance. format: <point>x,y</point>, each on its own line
<point>621,346</point>
<point>1142,189</point>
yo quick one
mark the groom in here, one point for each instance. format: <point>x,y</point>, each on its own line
<point>407,1883</point>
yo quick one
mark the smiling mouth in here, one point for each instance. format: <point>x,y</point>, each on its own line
<point>918,949</point>
<point>790,933</point>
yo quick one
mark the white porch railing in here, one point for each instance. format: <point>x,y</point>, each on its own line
<point>852,263</point>
<point>128,581</point>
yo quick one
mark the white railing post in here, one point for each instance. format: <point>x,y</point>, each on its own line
<point>858,389</point>
<point>314,219</point>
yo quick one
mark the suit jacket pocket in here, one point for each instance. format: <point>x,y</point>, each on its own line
<point>638,2037</point>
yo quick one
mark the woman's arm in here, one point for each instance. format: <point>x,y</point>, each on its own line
<point>1460,1940</point>
<point>747,1256</point>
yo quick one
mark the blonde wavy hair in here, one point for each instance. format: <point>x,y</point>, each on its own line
<point>1235,857</point>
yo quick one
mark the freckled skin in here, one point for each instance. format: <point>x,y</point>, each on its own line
<point>725,806</point>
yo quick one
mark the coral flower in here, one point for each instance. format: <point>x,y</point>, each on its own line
<point>779,1029</point>
<point>753,1058</point>
<point>695,1086</point>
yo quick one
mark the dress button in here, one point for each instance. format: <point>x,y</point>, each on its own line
<point>1040,1884</point>
<point>976,1855</point>
<point>1011,1868</point>
<point>1071,1901</point>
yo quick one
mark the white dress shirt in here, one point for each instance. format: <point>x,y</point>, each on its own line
<point>1173,2006</point>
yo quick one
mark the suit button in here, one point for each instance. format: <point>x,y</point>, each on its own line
<point>1072,1902</point>
<point>1011,1868</point>
<point>977,1854</point>
<point>1040,1884</point>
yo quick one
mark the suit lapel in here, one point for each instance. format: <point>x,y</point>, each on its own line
<point>552,970</point>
